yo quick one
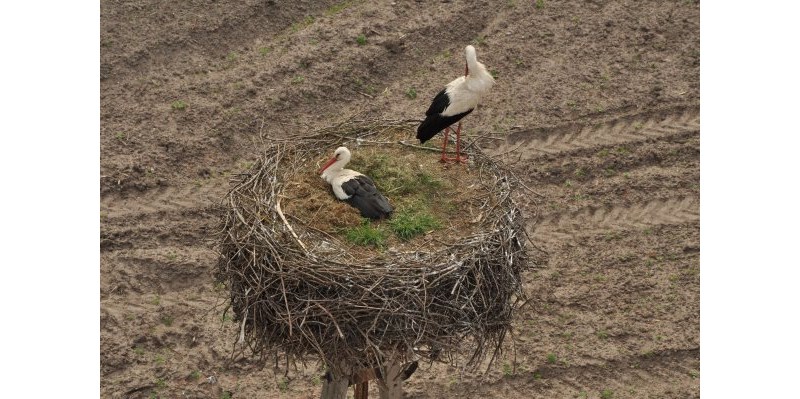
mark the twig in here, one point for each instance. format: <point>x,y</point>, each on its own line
<point>286,222</point>
<point>407,144</point>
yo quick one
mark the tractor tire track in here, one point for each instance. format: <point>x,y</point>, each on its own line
<point>593,221</point>
<point>632,128</point>
<point>166,199</point>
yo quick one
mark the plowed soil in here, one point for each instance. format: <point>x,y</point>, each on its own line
<point>596,108</point>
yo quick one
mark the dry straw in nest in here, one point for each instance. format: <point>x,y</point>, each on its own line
<point>297,292</point>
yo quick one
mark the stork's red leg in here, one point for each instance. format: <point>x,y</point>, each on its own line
<point>444,145</point>
<point>459,158</point>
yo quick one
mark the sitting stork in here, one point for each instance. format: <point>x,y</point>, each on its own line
<point>357,189</point>
<point>455,101</point>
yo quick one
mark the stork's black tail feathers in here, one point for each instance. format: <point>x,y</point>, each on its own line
<point>365,197</point>
<point>435,123</point>
<point>375,207</point>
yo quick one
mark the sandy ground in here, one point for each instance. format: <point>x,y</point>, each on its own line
<point>596,107</point>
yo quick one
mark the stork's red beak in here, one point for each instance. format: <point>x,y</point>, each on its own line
<point>328,164</point>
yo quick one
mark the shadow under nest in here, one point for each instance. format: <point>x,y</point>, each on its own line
<point>297,291</point>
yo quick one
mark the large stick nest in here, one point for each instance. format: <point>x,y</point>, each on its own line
<point>298,292</point>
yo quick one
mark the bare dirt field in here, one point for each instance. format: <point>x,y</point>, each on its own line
<point>596,108</point>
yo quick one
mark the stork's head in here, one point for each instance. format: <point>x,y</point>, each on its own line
<point>340,158</point>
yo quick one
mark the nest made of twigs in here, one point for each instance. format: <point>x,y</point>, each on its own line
<point>298,291</point>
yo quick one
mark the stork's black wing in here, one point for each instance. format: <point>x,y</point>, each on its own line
<point>365,197</point>
<point>434,121</point>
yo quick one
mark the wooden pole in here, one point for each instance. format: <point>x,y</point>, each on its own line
<point>390,386</point>
<point>361,390</point>
<point>334,388</point>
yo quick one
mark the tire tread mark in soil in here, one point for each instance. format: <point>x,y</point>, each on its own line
<point>167,199</point>
<point>632,128</point>
<point>258,19</point>
<point>618,375</point>
<point>592,221</point>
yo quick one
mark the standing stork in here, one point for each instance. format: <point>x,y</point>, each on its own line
<point>355,188</point>
<point>455,101</point>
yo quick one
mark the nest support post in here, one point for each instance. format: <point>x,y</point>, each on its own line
<point>390,386</point>
<point>334,387</point>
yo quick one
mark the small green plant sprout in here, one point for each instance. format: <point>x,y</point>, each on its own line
<point>179,105</point>
<point>411,93</point>
<point>226,317</point>
<point>283,385</point>
<point>361,40</point>
<point>225,395</point>
<point>539,4</point>
<point>493,73</point>
<point>551,358</point>
<point>195,375</point>
<point>167,320</point>
<point>602,334</point>
<point>298,80</point>
<point>336,8</point>
<point>161,383</point>
<point>156,300</point>
<point>120,136</point>
<point>607,394</point>
<point>508,371</point>
<point>366,235</point>
<point>232,57</point>
<point>264,50</point>
<point>297,26</point>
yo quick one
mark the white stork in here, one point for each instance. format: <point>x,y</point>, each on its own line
<point>355,188</point>
<point>455,101</point>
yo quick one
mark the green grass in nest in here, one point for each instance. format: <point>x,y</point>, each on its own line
<point>410,222</point>
<point>398,180</point>
<point>366,235</point>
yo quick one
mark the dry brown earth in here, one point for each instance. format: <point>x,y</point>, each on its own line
<point>596,107</point>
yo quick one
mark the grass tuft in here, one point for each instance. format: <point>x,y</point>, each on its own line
<point>411,222</point>
<point>179,105</point>
<point>397,179</point>
<point>300,25</point>
<point>336,8</point>
<point>366,235</point>
<point>508,371</point>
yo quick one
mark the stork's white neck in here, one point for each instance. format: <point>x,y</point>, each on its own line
<point>334,170</point>
<point>478,79</point>
<point>472,58</point>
